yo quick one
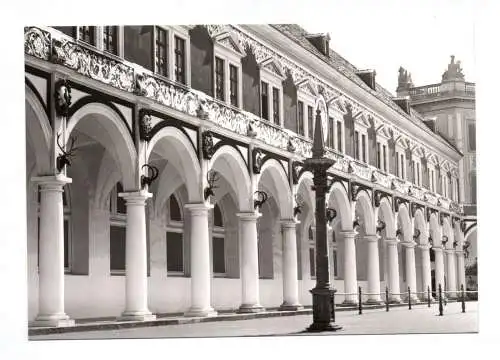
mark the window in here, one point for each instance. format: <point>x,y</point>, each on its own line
<point>414,172</point>
<point>117,231</point>
<point>300,118</point>
<point>330,137</point>
<point>68,30</point>
<point>87,34</point>
<point>218,244</point>
<point>397,164</point>
<point>139,45</point>
<point>473,193</point>
<point>175,237</point>
<point>265,100</point>
<point>472,136</point>
<point>233,85</point>
<point>180,60</point>
<point>161,51</point>
<point>218,217</point>
<point>418,174</point>
<point>175,252</point>
<point>110,37</point>
<point>363,147</point>
<point>339,136</point>
<point>219,79</point>
<point>402,166</point>
<point>384,155</point>
<point>310,121</point>
<point>379,164</point>
<point>356,145</point>
<point>276,106</point>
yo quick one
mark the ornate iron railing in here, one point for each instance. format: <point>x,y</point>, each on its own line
<point>51,45</point>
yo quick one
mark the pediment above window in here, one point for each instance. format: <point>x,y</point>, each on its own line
<point>307,87</point>
<point>230,42</point>
<point>273,67</point>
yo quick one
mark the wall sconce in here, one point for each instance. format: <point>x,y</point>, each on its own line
<point>261,199</point>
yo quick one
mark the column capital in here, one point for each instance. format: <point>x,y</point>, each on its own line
<point>349,233</point>
<point>136,197</point>
<point>409,244</point>
<point>52,182</point>
<point>424,246</point>
<point>437,248</point>
<point>460,252</point>
<point>249,216</point>
<point>289,223</point>
<point>449,251</point>
<point>371,237</point>
<point>391,241</point>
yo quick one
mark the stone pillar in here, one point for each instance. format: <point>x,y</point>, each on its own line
<point>290,281</point>
<point>411,276</point>
<point>51,250</point>
<point>426,270</point>
<point>200,261</point>
<point>249,263</point>
<point>136,280</point>
<point>393,270</point>
<point>350,274</point>
<point>439,264</point>
<point>373,270</point>
<point>452,273</point>
<point>461,269</point>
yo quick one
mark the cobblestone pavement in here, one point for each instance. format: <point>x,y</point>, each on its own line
<point>420,319</point>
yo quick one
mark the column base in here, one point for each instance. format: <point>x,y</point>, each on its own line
<point>57,320</point>
<point>395,300</point>
<point>197,312</point>
<point>348,302</point>
<point>374,301</point>
<point>136,316</point>
<point>249,308</point>
<point>290,307</point>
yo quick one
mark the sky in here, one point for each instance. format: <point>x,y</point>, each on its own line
<point>384,35</point>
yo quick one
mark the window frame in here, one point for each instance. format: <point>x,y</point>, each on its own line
<point>230,57</point>
<point>175,226</point>
<point>361,129</point>
<point>117,39</point>
<point>116,219</point>
<point>273,81</point>
<point>308,100</point>
<point>219,232</point>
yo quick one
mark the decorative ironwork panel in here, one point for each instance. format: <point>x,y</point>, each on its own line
<point>37,42</point>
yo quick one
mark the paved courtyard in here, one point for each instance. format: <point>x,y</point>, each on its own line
<point>420,319</point>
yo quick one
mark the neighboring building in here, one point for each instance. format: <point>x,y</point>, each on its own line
<point>450,110</point>
<point>177,138</point>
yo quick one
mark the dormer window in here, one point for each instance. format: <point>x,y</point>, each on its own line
<point>227,69</point>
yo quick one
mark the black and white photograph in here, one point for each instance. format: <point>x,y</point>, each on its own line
<point>251,179</point>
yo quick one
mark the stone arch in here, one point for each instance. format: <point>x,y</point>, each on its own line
<point>421,225</point>
<point>435,230</point>
<point>448,231</point>
<point>174,147</point>
<point>278,185</point>
<point>38,131</point>
<point>364,201</point>
<point>103,124</point>
<point>385,212</point>
<point>404,223</point>
<point>338,195</point>
<point>306,182</point>
<point>228,162</point>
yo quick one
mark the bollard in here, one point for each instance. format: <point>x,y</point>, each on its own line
<point>440,301</point>
<point>409,298</point>
<point>386,298</point>
<point>428,296</point>
<point>463,297</point>
<point>360,304</point>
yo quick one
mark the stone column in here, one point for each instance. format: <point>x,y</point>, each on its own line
<point>461,269</point>
<point>51,250</point>
<point>411,276</point>
<point>373,270</point>
<point>426,270</point>
<point>452,275</point>
<point>290,281</point>
<point>200,261</point>
<point>350,274</point>
<point>393,270</point>
<point>249,263</point>
<point>439,270</point>
<point>136,280</point>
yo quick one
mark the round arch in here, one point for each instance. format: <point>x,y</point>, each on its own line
<point>435,230</point>
<point>338,195</point>
<point>104,125</point>
<point>173,145</point>
<point>364,201</point>
<point>404,222</point>
<point>422,227</point>
<point>385,211</point>
<point>279,186</point>
<point>448,232</point>
<point>228,162</point>
<point>38,131</point>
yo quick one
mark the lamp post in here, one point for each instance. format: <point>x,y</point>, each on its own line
<point>321,294</point>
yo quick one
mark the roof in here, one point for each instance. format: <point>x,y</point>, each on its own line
<point>299,35</point>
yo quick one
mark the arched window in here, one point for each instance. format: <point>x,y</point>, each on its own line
<point>175,238</point>
<point>218,243</point>
<point>67,227</point>
<point>117,230</point>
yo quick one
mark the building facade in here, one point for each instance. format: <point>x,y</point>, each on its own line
<point>165,175</point>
